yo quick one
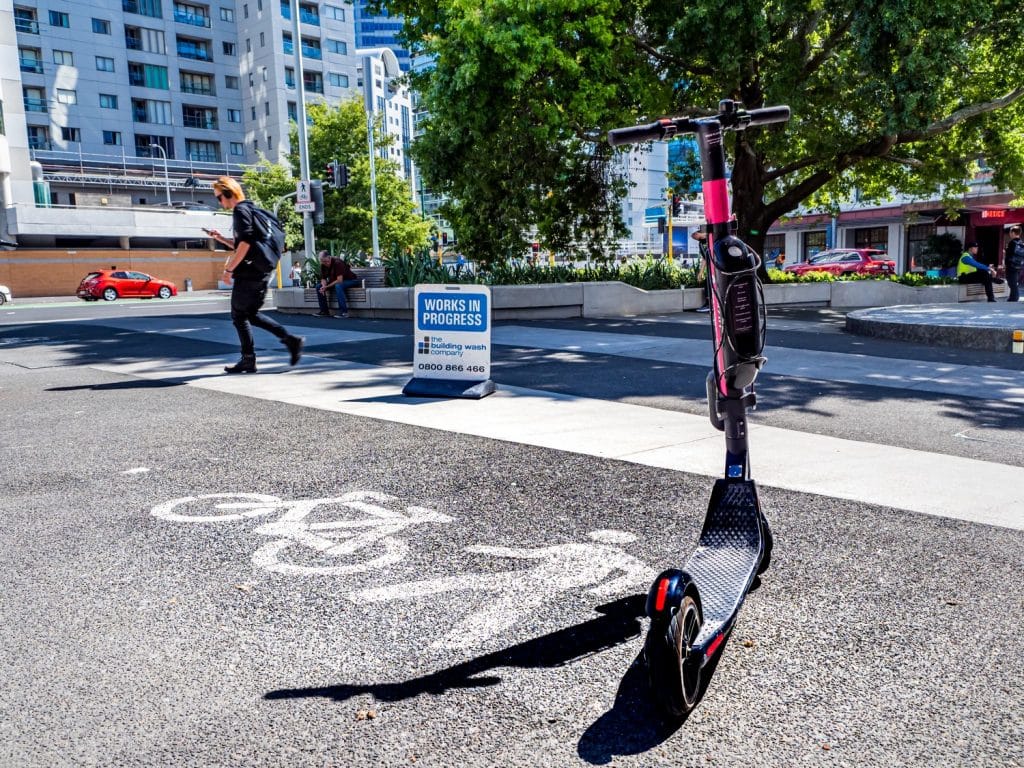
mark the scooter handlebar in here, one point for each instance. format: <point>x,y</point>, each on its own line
<point>768,115</point>
<point>667,127</point>
<point>659,130</point>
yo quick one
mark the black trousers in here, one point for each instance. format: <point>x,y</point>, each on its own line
<point>979,276</point>
<point>1013,280</point>
<point>247,297</point>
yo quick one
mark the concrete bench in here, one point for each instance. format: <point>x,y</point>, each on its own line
<point>976,291</point>
<point>372,277</point>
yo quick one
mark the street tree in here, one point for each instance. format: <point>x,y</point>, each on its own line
<point>339,133</point>
<point>888,96</point>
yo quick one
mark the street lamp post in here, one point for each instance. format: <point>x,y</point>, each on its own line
<point>167,178</point>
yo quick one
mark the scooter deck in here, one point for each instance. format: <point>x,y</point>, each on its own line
<point>726,560</point>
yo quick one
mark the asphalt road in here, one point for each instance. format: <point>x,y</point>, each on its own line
<point>375,593</point>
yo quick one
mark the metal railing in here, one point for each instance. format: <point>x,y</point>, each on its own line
<point>29,26</point>
<point>195,19</point>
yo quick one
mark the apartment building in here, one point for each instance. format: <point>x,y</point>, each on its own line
<point>125,105</point>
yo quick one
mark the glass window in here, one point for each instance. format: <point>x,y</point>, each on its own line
<point>227,14</point>
<point>813,243</point>
<point>337,46</point>
<point>871,237</point>
<point>65,96</point>
<point>266,108</point>
<point>108,101</point>
<point>25,21</point>
<point>229,48</point>
<point>101,26</point>
<point>112,138</point>
<point>338,80</point>
<point>333,12</point>
<point>104,64</point>
<point>231,81</point>
<point>143,7</point>
<point>237,149</point>
<point>70,134</point>
<point>59,19</point>
<point>64,57</point>
<point>234,115</point>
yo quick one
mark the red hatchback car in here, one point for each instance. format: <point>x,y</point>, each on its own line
<point>847,261</point>
<point>111,284</point>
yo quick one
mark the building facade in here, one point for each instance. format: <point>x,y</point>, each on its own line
<point>124,105</point>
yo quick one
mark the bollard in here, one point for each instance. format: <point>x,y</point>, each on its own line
<point>188,285</point>
<point>1018,342</point>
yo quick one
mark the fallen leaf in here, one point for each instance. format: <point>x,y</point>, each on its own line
<point>247,588</point>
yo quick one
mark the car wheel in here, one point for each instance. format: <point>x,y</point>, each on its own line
<point>3,298</point>
<point>109,294</point>
<point>164,292</point>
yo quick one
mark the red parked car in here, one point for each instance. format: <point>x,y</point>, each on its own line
<point>847,261</point>
<point>111,284</point>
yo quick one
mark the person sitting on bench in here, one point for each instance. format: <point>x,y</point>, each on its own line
<point>970,270</point>
<point>336,274</point>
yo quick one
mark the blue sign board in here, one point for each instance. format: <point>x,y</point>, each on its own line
<point>452,312</point>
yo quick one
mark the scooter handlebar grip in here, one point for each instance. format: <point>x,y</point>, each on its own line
<point>638,134</point>
<point>768,115</point>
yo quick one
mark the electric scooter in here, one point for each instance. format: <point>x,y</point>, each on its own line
<point>693,609</point>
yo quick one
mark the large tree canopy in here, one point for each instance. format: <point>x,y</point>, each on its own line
<point>887,96</point>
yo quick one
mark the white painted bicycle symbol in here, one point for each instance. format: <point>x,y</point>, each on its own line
<point>365,526</point>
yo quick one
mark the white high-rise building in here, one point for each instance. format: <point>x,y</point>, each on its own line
<point>119,104</point>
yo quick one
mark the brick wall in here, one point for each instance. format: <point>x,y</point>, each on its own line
<point>49,272</point>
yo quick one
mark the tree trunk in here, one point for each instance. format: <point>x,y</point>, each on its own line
<point>748,202</point>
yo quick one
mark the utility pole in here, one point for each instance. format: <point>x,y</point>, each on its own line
<point>307,217</point>
<point>373,174</point>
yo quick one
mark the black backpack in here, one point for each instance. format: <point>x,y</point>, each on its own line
<point>1018,254</point>
<point>270,246</point>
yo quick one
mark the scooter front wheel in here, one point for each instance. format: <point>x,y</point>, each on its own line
<point>673,673</point>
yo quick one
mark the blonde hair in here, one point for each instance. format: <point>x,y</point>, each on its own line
<point>228,187</point>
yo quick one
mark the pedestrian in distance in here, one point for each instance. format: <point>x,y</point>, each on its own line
<point>970,270</point>
<point>296,276</point>
<point>244,272</point>
<point>780,260</point>
<point>1013,260</point>
<point>336,275</point>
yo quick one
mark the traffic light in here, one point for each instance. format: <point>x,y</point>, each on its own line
<point>677,205</point>
<point>331,174</point>
<point>316,194</point>
<point>661,225</point>
<point>342,176</point>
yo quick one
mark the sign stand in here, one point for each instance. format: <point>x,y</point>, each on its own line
<point>452,342</point>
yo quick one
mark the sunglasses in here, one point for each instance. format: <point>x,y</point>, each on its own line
<point>217,196</point>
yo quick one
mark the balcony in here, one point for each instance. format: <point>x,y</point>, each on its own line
<point>35,105</point>
<point>195,19</point>
<point>312,53</point>
<point>194,52</point>
<point>31,65</point>
<point>28,26</point>
<point>34,143</point>
<point>204,157</point>
<point>201,90</point>
<point>309,18</point>
<point>199,121</point>
<point>132,43</point>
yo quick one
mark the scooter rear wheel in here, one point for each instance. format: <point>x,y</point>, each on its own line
<point>769,544</point>
<point>673,675</point>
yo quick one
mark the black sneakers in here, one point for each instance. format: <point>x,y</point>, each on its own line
<point>324,314</point>
<point>247,364</point>
<point>294,344</point>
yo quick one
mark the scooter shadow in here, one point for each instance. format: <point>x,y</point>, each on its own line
<point>619,622</point>
<point>630,727</point>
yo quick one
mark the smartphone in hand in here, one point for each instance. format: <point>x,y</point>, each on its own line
<point>207,231</point>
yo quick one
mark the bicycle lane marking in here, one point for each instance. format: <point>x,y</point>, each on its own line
<point>599,567</point>
<point>511,596</point>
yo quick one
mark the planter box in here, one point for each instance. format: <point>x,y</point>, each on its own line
<point>798,293</point>
<point>883,293</point>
